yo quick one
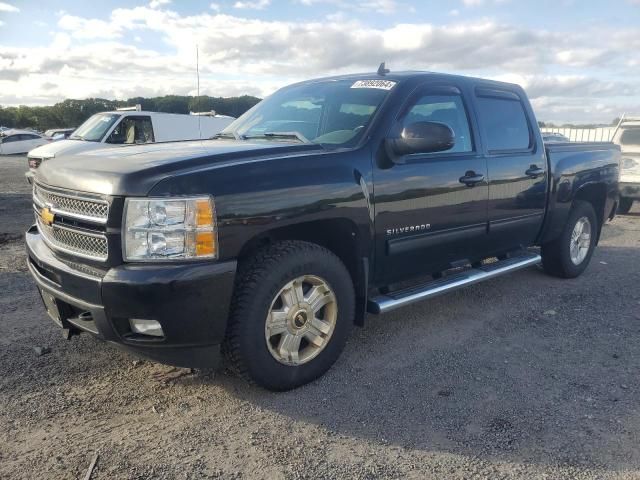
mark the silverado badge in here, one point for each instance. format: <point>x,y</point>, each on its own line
<point>47,216</point>
<point>408,229</point>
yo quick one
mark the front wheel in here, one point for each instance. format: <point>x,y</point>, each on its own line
<point>569,255</point>
<point>292,312</point>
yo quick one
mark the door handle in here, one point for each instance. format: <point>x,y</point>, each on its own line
<point>534,171</point>
<point>471,179</point>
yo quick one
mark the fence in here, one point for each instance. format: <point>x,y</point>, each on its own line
<point>575,134</point>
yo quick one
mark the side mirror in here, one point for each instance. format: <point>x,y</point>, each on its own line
<point>422,137</point>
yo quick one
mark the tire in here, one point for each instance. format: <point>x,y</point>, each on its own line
<point>265,302</point>
<point>625,205</point>
<point>557,255</point>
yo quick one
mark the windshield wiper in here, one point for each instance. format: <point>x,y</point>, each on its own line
<point>233,135</point>
<point>76,137</point>
<point>290,135</point>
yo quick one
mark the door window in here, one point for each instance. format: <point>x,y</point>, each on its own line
<point>12,138</point>
<point>447,109</point>
<point>505,124</point>
<point>132,130</point>
<point>630,136</point>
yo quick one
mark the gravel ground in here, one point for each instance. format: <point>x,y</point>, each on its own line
<point>525,376</point>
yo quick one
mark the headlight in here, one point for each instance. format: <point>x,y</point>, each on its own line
<point>169,229</point>
<point>630,164</point>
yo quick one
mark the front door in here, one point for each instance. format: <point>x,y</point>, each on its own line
<point>431,209</point>
<point>517,169</point>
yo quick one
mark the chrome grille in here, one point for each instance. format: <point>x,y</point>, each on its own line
<point>76,242</point>
<point>71,204</point>
<point>83,236</point>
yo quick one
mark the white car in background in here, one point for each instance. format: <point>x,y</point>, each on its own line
<point>14,141</point>
<point>628,137</point>
<point>130,127</point>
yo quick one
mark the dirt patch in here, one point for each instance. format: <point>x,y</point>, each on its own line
<point>481,383</point>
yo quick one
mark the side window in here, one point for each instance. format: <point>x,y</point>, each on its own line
<point>447,109</point>
<point>31,137</point>
<point>12,138</point>
<point>630,136</point>
<point>504,123</point>
<point>132,130</point>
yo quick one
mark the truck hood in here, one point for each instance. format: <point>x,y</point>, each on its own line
<point>134,170</point>
<point>64,147</point>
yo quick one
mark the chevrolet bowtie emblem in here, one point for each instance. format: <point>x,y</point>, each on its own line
<point>47,216</point>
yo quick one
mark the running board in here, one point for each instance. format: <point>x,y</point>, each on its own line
<point>400,298</point>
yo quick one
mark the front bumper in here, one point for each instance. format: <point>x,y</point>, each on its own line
<point>190,300</point>
<point>29,176</point>
<point>630,190</point>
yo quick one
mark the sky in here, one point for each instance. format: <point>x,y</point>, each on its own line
<point>578,60</point>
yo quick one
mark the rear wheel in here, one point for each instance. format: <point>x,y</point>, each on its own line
<point>625,205</point>
<point>569,255</point>
<point>291,316</point>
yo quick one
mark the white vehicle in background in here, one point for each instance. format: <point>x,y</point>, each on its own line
<point>14,141</point>
<point>128,127</point>
<point>59,133</point>
<point>628,137</point>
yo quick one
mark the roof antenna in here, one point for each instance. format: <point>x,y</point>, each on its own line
<point>198,100</point>
<point>382,71</point>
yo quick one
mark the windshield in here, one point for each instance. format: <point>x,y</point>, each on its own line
<point>630,136</point>
<point>329,113</point>
<point>95,127</point>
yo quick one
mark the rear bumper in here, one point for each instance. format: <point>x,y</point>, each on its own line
<point>630,190</point>
<point>191,302</point>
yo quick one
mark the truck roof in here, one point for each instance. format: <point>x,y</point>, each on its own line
<point>148,112</point>
<point>410,74</point>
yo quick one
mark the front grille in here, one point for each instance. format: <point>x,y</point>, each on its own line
<point>75,242</point>
<point>72,222</point>
<point>71,204</point>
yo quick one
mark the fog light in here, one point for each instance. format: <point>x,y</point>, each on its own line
<point>146,327</point>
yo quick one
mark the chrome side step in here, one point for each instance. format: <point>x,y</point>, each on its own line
<point>399,298</point>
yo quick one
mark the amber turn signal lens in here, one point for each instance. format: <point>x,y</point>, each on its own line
<point>204,213</point>
<point>205,244</point>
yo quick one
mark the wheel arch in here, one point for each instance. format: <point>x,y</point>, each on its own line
<point>596,195</point>
<point>341,236</point>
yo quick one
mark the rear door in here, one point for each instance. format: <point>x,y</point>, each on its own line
<point>431,209</point>
<point>517,168</point>
<point>34,141</point>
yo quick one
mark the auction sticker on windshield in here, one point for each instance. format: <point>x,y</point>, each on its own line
<point>381,84</point>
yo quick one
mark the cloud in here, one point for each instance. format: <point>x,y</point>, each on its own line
<point>381,6</point>
<point>378,6</point>
<point>84,28</point>
<point>158,3</point>
<point>215,7</point>
<point>477,3</point>
<point>5,7</point>
<point>252,5</point>
<point>103,56</point>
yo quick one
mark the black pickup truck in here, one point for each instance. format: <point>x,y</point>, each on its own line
<point>329,199</point>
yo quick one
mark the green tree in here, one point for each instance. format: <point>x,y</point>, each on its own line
<point>71,113</point>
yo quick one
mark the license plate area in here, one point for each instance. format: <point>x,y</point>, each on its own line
<point>52,307</point>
